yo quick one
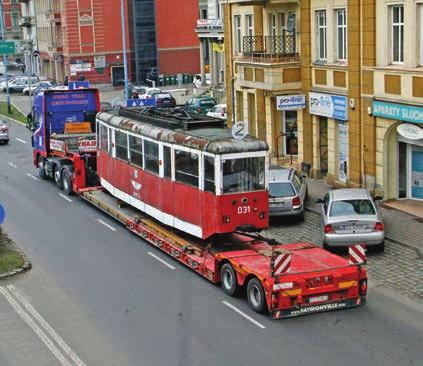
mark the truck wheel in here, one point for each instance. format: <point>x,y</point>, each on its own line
<point>40,168</point>
<point>256,296</point>
<point>228,280</point>
<point>57,176</point>
<point>67,180</point>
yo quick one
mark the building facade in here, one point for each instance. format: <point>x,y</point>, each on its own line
<point>80,38</point>
<point>11,16</point>
<point>29,37</point>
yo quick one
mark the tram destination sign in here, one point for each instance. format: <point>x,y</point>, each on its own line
<point>7,48</point>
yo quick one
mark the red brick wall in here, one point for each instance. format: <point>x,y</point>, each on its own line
<point>177,42</point>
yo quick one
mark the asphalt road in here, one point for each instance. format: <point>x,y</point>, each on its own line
<point>111,302</point>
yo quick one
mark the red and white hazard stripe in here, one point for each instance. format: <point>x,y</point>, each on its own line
<point>357,254</point>
<point>281,263</point>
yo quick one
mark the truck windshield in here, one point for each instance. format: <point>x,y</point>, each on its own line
<point>243,175</point>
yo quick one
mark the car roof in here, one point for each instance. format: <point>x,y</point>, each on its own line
<point>280,174</point>
<point>350,193</point>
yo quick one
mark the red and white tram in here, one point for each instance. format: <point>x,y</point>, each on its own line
<point>188,175</point>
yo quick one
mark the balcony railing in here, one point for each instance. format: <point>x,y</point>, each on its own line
<point>271,48</point>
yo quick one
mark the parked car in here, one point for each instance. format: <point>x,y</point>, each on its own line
<point>288,192</point>
<point>164,100</point>
<point>4,132</point>
<point>350,216</point>
<point>37,87</point>
<point>144,92</point>
<point>11,78</point>
<point>218,111</point>
<point>18,85</point>
<point>201,105</point>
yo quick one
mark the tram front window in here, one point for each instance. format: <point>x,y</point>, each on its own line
<point>243,175</point>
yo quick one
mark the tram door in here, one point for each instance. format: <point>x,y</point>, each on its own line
<point>323,125</point>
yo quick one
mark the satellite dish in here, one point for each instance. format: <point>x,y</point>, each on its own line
<point>239,130</point>
<point>118,102</point>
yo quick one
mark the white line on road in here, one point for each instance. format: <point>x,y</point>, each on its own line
<point>51,332</point>
<point>106,224</point>
<point>161,260</point>
<point>32,176</point>
<point>11,164</point>
<point>20,140</point>
<point>36,329</point>
<point>249,318</point>
<point>64,197</point>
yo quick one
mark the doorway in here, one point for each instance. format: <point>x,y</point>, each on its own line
<point>118,76</point>
<point>323,147</point>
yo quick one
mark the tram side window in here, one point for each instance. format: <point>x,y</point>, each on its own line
<point>167,162</point>
<point>135,150</point>
<point>209,184</point>
<point>103,138</point>
<point>186,168</point>
<point>151,155</point>
<point>121,141</point>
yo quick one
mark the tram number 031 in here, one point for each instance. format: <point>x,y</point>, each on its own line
<point>244,210</point>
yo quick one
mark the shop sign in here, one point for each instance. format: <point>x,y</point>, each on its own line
<point>401,112</point>
<point>290,102</point>
<point>410,132</point>
<point>327,105</point>
<point>99,62</point>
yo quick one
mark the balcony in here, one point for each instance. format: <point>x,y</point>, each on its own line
<point>26,22</point>
<point>270,49</point>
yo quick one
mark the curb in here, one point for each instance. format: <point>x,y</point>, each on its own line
<point>396,241</point>
<point>12,119</point>
<point>26,266</point>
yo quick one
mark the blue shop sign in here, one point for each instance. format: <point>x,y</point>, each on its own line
<point>400,112</point>
<point>2,214</point>
<point>328,105</point>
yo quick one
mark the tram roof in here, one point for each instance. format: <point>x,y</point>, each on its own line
<point>214,140</point>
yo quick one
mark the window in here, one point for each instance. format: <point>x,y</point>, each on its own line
<point>186,168</point>
<point>167,162</point>
<point>151,155</point>
<point>281,190</point>
<point>121,140</point>
<point>110,141</point>
<point>272,25</point>
<point>249,25</point>
<point>209,184</point>
<point>352,207</point>
<point>243,175</point>
<point>238,40</point>
<point>321,34</point>
<point>282,21</point>
<point>341,34</point>
<point>296,183</point>
<point>135,151</point>
<point>103,138</point>
<point>397,34</point>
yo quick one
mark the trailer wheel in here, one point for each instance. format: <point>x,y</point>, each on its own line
<point>256,296</point>
<point>66,180</point>
<point>57,176</point>
<point>228,280</point>
<point>41,171</point>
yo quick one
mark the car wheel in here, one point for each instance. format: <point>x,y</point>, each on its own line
<point>381,247</point>
<point>301,216</point>
<point>228,280</point>
<point>256,296</point>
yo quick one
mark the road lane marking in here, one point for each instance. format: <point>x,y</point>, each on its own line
<point>20,140</point>
<point>64,197</point>
<point>32,176</point>
<point>106,224</point>
<point>11,164</point>
<point>41,321</point>
<point>249,318</point>
<point>35,328</point>
<point>161,260</point>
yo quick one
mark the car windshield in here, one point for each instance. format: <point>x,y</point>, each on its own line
<point>352,208</point>
<point>243,175</point>
<point>281,190</point>
<point>207,103</point>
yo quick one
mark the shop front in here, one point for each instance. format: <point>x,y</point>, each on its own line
<point>400,131</point>
<point>330,136</point>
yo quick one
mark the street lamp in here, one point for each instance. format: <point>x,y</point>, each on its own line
<point>125,63</point>
<point>5,61</point>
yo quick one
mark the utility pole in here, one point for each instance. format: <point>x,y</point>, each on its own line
<point>125,63</point>
<point>5,61</point>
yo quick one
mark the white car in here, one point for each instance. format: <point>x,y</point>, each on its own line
<point>42,85</point>
<point>218,111</point>
<point>144,92</point>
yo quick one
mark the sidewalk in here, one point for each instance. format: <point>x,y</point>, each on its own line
<point>400,227</point>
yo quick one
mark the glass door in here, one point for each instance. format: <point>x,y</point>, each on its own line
<point>417,172</point>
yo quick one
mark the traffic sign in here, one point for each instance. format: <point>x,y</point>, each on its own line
<point>7,48</point>
<point>141,102</point>
<point>2,214</point>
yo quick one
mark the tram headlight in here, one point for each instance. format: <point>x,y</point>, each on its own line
<point>226,219</point>
<point>262,215</point>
